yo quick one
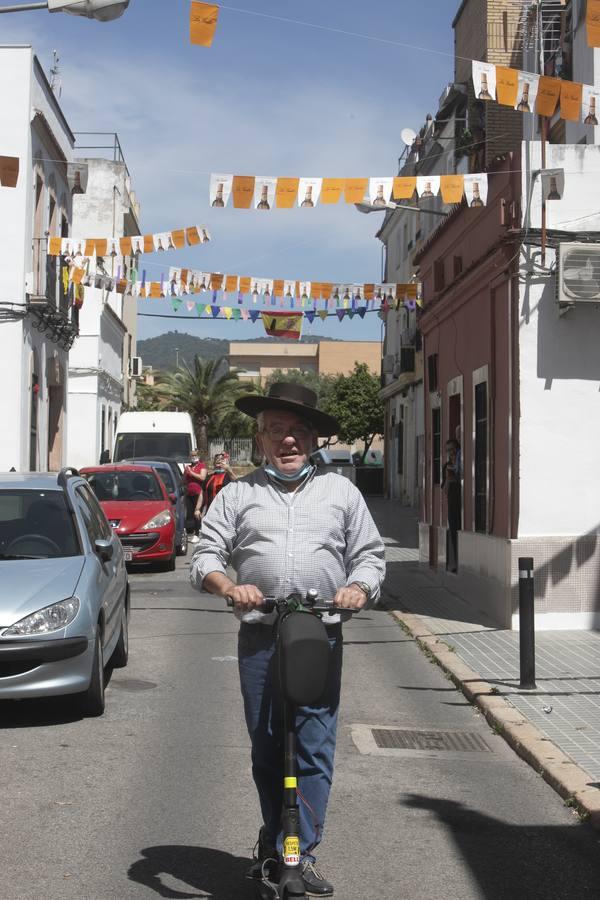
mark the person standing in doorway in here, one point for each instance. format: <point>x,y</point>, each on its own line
<point>221,476</point>
<point>451,484</point>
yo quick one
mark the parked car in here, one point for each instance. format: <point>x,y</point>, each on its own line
<point>64,604</point>
<point>139,509</point>
<point>170,474</point>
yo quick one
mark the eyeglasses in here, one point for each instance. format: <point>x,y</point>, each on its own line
<point>279,432</point>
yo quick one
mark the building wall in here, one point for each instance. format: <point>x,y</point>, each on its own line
<point>34,130</point>
<point>339,357</point>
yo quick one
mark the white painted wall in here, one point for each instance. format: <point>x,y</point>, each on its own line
<point>559,365</point>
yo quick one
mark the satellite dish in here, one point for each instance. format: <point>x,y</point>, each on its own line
<point>408,136</point>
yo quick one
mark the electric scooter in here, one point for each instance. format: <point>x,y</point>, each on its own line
<point>303,650</point>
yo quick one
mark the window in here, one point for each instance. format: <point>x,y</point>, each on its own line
<point>439,281</point>
<point>400,440</point>
<point>480,453</point>
<point>457,266</point>
<point>93,518</point>
<point>436,428</point>
<point>432,372</point>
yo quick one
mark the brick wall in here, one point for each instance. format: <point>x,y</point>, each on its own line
<point>489,30</point>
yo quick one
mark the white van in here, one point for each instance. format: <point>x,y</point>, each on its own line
<point>154,434</point>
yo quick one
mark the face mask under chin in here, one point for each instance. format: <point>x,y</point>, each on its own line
<point>286,477</point>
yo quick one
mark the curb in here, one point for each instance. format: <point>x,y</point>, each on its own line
<point>548,760</point>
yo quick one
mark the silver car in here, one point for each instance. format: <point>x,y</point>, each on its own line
<point>64,603</point>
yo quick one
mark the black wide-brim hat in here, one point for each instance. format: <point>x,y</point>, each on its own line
<point>292,397</point>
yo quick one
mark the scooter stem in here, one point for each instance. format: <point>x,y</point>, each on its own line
<point>290,883</point>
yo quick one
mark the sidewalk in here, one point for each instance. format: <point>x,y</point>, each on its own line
<point>556,727</point>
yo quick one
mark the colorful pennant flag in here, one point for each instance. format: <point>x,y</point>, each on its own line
<point>9,171</point>
<point>127,246</point>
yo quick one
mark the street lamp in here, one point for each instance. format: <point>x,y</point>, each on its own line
<point>102,10</point>
<point>369,207</point>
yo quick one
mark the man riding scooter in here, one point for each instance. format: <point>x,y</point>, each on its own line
<point>289,527</point>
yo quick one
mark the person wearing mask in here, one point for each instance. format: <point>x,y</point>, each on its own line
<point>289,527</point>
<point>194,476</point>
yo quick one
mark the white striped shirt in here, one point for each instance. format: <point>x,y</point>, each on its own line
<point>319,536</point>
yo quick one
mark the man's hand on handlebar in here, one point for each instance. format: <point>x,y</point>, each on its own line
<point>246,597</point>
<point>350,597</point>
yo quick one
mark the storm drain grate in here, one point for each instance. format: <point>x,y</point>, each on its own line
<point>407,739</point>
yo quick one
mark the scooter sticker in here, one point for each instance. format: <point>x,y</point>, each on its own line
<point>291,851</point>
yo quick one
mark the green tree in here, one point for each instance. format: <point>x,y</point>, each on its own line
<point>207,391</point>
<point>354,401</point>
<point>322,385</point>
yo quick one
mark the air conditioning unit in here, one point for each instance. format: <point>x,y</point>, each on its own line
<point>578,273</point>
<point>387,366</point>
<point>135,366</point>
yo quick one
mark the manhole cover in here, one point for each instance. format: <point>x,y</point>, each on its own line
<point>391,740</point>
<point>405,739</point>
<point>132,684</point>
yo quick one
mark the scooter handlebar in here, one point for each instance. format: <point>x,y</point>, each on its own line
<point>319,606</point>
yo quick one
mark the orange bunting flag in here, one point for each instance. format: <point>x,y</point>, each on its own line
<point>9,171</point>
<point>286,192</point>
<point>355,189</point>
<point>243,191</point>
<point>178,237</point>
<point>331,190</point>
<point>54,246</point>
<point>203,22</point>
<point>452,188</point>
<point>570,100</point>
<point>507,85</point>
<point>592,22</point>
<point>283,324</point>
<point>404,187</point>
<point>547,96</point>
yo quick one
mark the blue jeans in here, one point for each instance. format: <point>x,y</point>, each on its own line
<point>315,734</point>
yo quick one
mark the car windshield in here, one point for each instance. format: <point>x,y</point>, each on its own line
<point>131,445</point>
<point>36,525</point>
<point>119,486</point>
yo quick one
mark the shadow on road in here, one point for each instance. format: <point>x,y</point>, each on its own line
<point>207,872</point>
<point>509,860</point>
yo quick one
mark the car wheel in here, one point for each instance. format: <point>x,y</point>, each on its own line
<point>183,545</point>
<point>121,652</point>
<point>170,565</point>
<point>92,700</point>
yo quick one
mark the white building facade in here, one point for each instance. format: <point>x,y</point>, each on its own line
<point>100,382</point>
<point>38,320</point>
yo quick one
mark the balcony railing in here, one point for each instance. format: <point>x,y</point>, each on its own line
<point>51,300</point>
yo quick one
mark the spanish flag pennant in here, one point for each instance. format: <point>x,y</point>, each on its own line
<point>283,324</point>
<point>203,23</point>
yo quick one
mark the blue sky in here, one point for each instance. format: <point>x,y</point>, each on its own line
<point>269,98</point>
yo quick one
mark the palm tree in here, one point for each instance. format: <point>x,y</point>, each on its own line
<point>207,390</point>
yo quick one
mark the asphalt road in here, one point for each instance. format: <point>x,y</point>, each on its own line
<point>155,799</point>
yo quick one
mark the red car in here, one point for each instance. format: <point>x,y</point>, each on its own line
<point>140,510</point>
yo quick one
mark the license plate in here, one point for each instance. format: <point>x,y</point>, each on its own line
<point>128,555</point>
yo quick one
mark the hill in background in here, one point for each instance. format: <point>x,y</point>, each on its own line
<point>164,351</point>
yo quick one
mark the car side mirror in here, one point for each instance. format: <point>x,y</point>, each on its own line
<point>173,498</point>
<point>104,549</point>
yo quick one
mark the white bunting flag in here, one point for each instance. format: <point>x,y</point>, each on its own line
<point>428,186</point>
<point>289,290</point>
<point>220,190</point>
<point>264,192</point>
<point>476,189</point>
<point>305,287</point>
<point>553,184</point>
<point>590,105</point>
<point>527,91</point>
<point>380,190</point>
<point>309,191</point>
<point>484,80</point>
<point>137,244</point>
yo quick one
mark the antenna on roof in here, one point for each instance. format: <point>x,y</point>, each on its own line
<point>55,79</point>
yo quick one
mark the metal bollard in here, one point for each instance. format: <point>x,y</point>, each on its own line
<point>526,623</point>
